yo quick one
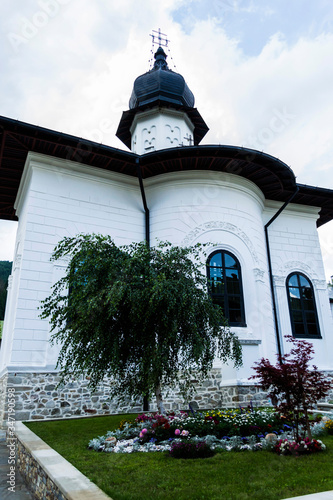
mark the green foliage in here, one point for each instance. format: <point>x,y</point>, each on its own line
<point>189,449</point>
<point>140,315</point>
<point>293,386</point>
<point>1,325</point>
<point>247,476</point>
<point>329,426</point>
<point>5,270</point>
<point>222,424</point>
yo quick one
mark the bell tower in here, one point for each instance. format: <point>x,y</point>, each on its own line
<point>162,113</point>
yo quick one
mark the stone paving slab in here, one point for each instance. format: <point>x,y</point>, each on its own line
<point>324,495</point>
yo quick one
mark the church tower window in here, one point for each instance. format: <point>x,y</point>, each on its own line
<point>302,307</point>
<point>225,285</point>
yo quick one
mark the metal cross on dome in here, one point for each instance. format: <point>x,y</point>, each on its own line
<point>159,38</point>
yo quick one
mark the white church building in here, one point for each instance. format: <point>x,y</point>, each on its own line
<point>263,261</point>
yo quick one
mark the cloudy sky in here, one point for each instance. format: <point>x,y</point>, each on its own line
<point>261,72</point>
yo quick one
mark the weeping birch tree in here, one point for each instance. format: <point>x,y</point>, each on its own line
<point>141,316</point>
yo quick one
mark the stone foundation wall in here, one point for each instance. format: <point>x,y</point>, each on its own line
<point>3,398</point>
<point>37,397</point>
<point>39,482</point>
<point>329,376</point>
<point>244,395</point>
<point>47,474</point>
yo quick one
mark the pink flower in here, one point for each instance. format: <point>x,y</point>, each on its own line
<point>142,433</point>
<point>184,433</point>
<point>177,432</point>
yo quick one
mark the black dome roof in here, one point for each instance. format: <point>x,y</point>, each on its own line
<point>162,85</point>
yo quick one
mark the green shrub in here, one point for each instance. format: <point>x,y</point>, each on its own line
<point>188,449</point>
<point>329,426</point>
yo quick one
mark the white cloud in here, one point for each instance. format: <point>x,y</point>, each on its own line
<point>7,239</point>
<point>76,74</point>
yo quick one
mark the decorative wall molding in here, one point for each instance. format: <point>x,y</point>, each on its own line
<point>149,138</point>
<point>319,284</point>
<point>173,135</point>
<point>10,282</point>
<point>297,266</point>
<point>259,274</point>
<point>279,281</point>
<point>17,263</point>
<point>305,211</point>
<point>250,341</point>
<point>220,226</point>
<point>62,263</point>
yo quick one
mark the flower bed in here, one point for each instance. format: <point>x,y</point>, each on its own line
<point>188,435</point>
<point>298,447</point>
<point>219,430</point>
<point>329,426</point>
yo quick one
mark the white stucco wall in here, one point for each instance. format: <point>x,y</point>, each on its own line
<point>160,128</point>
<point>295,247</point>
<point>225,211</point>
<point>58,198</point>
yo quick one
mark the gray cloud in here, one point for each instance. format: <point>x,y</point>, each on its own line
<point>74,71</point>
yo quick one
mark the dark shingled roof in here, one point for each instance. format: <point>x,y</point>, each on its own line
<point>161,84</point>
<point>275,179</point>
<point>161,87</point>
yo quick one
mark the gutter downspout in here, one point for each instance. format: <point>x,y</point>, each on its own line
<point>277,329</point>
<point>144,201</point>
<point>147,238</point>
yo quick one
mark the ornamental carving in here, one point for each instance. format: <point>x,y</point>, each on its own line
<point>172,135</point>
<point>149,138</point>
<point>224,226</point>
<point>320,284</point>
<point>259,274</point>
<point>279,280</point>
<point>17,262</point>
<point>10,282</point>
<point>297,266</point>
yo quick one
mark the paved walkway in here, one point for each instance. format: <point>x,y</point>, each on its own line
<point>21,491</point>
<point>325,495</point>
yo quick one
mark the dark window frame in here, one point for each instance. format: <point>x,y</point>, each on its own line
<point>303,309</point>
<point>226,296</point>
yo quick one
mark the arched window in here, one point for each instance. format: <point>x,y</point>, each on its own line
<point>225,285</point>
<point>302,306</point>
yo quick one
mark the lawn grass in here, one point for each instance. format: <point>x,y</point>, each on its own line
<point>259,475</point>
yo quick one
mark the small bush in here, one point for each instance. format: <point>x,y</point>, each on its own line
<point>329,426</point>
<point>298,447</point>
<point>124,422</point>
<point>189,449</point>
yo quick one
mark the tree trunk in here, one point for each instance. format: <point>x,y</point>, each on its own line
<point>159,399</point>
<point>307,423</point>
<point>145,403</point>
